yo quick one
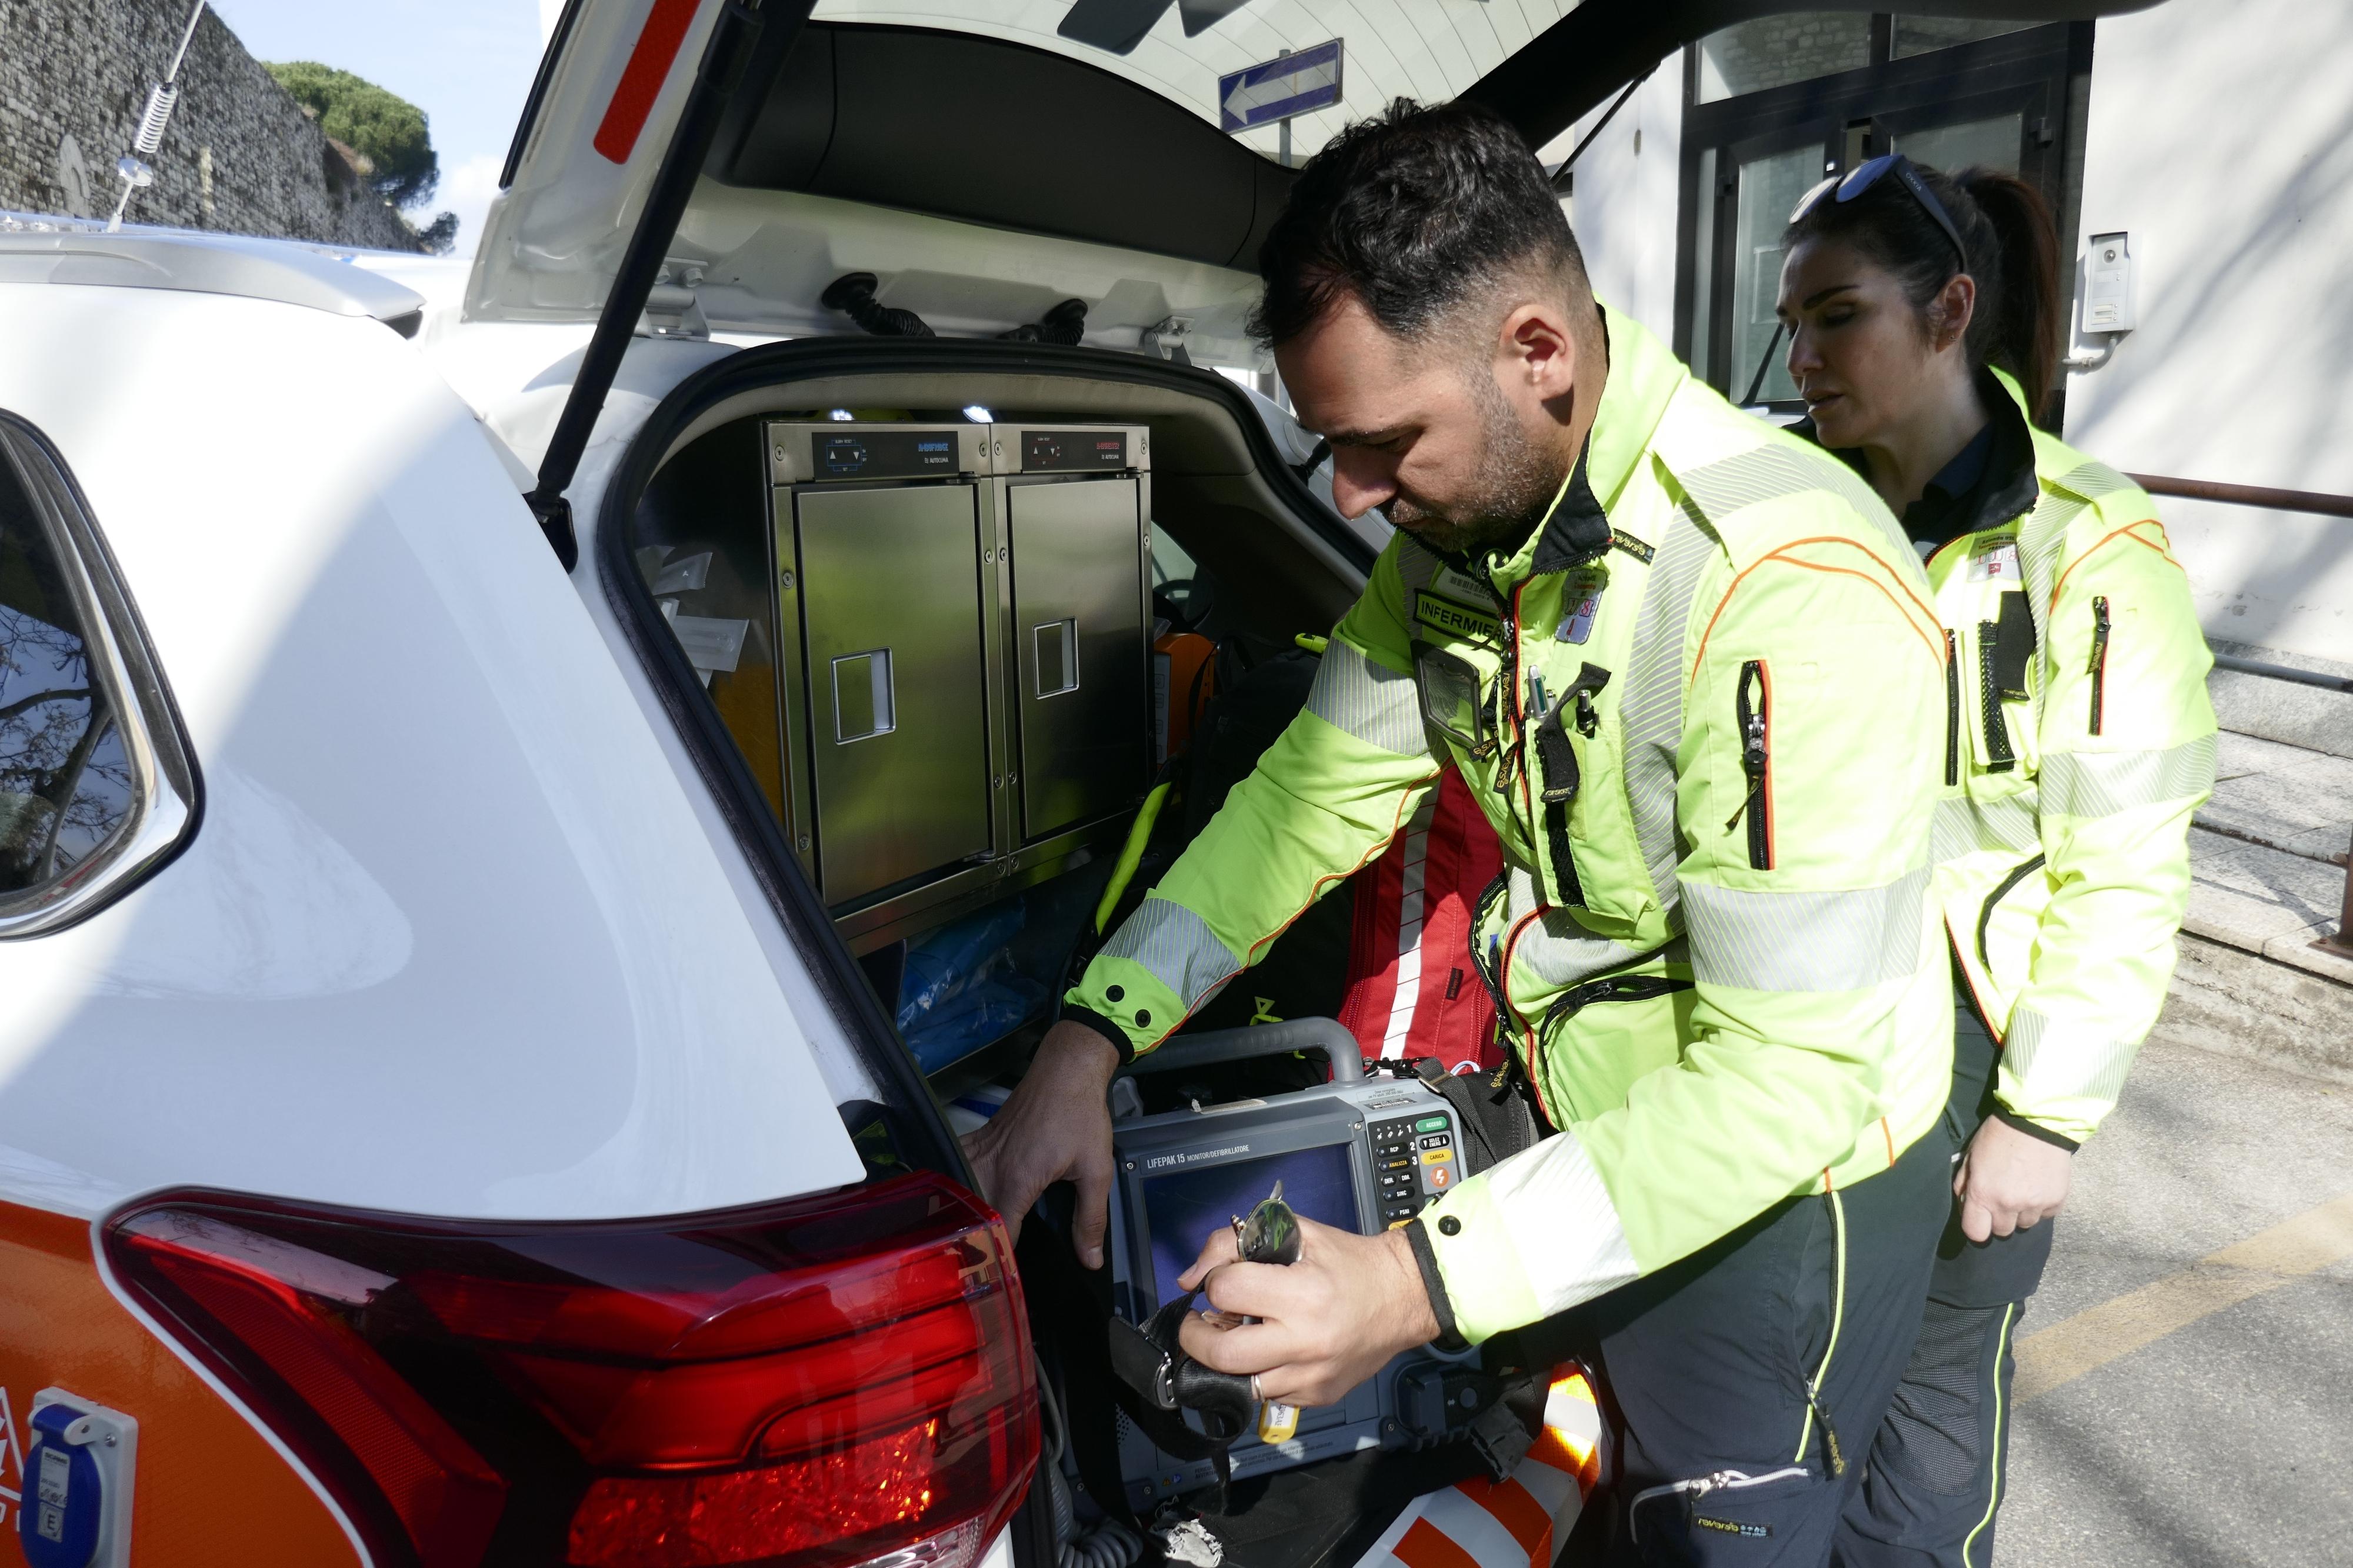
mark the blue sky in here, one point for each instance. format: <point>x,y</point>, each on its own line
<point>466,63</point>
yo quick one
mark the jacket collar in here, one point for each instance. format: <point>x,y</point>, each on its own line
<point>1642,379</point>
<point>2008,488</point>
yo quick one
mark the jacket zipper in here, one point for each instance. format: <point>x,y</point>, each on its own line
<point>2099,658</point>
<point>1999,758</point>
<point>1755,720</point>
<point>1698,1486</point>
<point>1953,709</point>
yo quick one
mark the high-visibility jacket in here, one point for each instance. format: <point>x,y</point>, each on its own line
<point>1703,706</point>
<point>2081,741</point>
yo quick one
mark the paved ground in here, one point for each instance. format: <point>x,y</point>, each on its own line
<point>2181,1407</point>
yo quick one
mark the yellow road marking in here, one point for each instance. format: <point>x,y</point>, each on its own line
<point>2098,1336</point>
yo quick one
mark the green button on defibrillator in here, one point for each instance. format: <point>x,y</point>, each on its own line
<point>1430,1124</point>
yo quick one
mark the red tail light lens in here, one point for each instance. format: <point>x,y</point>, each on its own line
<point>824,1382</point>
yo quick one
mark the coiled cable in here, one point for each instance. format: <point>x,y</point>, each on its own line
<point>1107,1544</point>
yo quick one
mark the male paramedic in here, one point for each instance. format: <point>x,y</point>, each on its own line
<point>1689,668</point>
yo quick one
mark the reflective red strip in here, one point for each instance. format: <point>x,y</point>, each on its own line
<point>1426,1546</point>
<point>642,77</point>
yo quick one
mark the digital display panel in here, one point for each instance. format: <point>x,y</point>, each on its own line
<point>864,454</point>
<point>1072,451</point>
<point>1184,1208</point>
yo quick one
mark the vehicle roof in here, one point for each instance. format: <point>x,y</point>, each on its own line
<point>39,249</point>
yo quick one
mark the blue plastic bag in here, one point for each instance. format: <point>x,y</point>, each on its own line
<point>950,961</point>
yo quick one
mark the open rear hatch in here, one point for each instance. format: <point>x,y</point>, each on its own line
<point>873,569</point>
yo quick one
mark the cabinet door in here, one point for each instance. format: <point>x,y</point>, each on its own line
<point>898,699</point>
<point>1078,653</point>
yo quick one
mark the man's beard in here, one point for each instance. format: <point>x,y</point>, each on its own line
<point>1521,478</point>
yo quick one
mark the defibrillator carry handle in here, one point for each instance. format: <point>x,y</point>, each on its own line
<point>1188,1051</point>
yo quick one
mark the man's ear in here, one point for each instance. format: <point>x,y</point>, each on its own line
<point>1534,348</point>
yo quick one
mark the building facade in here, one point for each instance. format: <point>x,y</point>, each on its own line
<point>2215,135</point>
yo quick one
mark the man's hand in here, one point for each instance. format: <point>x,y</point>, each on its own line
<point>1056,1127</point>
<point>2009,1180</point>
<point>1328,1323</point>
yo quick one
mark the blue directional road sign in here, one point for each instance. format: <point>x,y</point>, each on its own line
<point>1279,88</point>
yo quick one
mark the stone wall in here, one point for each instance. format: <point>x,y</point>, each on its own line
<point>240,156</point>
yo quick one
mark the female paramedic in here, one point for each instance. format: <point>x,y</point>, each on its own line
<point>1925,322</point>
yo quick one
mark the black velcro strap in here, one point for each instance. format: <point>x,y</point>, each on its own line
<point>2013,647</point>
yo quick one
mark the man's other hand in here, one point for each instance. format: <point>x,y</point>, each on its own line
<point>1326,1322</point>
<point>2010,1181</point>
<point>1056,1127</point>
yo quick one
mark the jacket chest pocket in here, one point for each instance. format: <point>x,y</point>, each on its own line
<point>1575,798</point>
<point>1993,696</point>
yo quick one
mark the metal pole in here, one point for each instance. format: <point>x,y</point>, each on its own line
<point>2341,943</point>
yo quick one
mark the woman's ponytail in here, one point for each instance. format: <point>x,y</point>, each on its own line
<point>2022,329</point>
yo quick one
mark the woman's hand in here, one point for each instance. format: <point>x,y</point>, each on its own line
<point>1326,1323</point>
<point>2010,1181</point>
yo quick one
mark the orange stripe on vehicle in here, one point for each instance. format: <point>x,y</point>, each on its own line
<point>1516,1511</point>
<point>1889,1133</point>
<point>2126,531</point>
<point>641,79</point>
<point>1426,1546</point>
<point>210,1491</point>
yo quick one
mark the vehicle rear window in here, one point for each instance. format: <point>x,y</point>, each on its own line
<point>66,782</point>
<point>97,787</point>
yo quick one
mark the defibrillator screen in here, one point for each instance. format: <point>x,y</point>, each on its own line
<point>1184,1208</point>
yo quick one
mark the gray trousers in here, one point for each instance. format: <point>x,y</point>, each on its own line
<point>1940,1460</point>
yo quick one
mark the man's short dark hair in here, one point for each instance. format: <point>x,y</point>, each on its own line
<point>1415,212</point>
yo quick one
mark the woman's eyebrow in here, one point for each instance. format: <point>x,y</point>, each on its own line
<point>1814,299</point>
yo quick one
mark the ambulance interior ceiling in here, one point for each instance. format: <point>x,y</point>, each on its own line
<point>1101,129</point>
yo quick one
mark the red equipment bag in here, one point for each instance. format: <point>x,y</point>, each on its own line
<point>1412,990</point>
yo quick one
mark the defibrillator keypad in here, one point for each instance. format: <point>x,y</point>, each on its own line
<point>1413,1161</point>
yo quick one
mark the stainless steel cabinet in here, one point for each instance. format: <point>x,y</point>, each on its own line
<point>891,625</point>
<point>963,616</point>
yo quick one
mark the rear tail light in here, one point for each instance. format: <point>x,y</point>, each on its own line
<point>832,1381</point>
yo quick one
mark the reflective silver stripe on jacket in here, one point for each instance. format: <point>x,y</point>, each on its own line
<point>2101,784</point>
<point>2061,1063</point>
<point>1963,827</point>
<point>1377,705</point>
<point>1652,713</point>
<point>2042,544</point>
<point>1770,472</point>
<point>1177,947</point>
<point>1806,941</point>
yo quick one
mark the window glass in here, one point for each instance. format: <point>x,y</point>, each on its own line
<point>1774,51</point>
<point>1769,188</point>
<point>1991,144</point>
<point>1918,35</point>
<point>67,784</point>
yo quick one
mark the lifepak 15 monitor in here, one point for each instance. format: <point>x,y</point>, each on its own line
<point>1356,1156</point>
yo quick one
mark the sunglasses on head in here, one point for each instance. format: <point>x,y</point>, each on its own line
<point>1865,175</point>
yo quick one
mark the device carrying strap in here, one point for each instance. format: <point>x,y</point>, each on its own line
<point>1155,1383</point>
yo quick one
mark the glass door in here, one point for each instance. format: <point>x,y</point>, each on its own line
<point>1761,130</point>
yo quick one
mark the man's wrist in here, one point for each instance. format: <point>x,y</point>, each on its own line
<point>1115,1038</point>
<point>1417,1314</point>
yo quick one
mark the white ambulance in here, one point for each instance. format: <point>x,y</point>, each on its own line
<point>453,1103</point>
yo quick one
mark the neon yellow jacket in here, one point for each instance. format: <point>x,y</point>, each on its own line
<point>2082,741</point>
<point>1703,706</point>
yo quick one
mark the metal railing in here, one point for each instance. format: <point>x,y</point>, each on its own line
<point>2319,504</point>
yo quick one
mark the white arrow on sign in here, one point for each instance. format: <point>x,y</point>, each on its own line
<point>1281,87</point>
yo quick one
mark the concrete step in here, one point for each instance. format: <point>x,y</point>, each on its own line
<point>2267,881</point>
